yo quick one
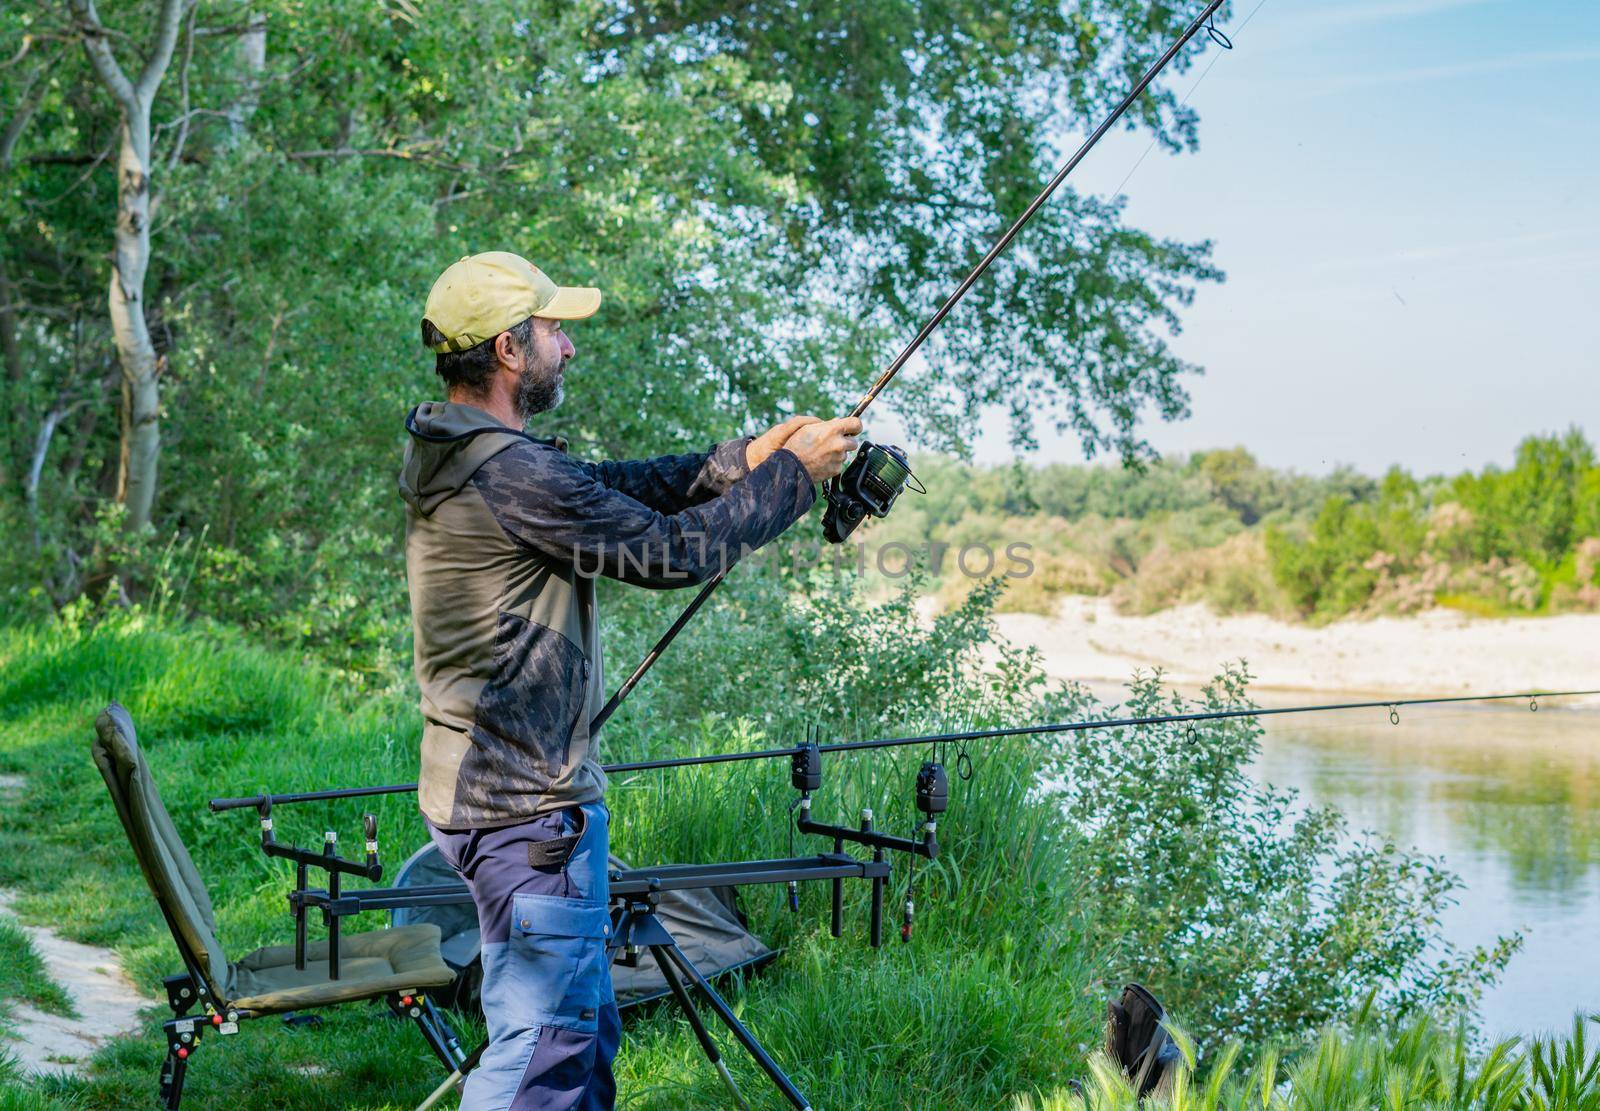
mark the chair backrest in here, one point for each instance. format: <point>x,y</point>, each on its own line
<point>162,858</point>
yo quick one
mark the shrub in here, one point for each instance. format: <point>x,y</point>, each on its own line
<point>1232,577</point>
<point>1498,541</point>
<point>1258,916</point>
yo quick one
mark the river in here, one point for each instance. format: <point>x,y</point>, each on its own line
<point>1509,799</point>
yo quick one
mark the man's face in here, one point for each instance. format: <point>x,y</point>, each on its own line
<point>544,361</point>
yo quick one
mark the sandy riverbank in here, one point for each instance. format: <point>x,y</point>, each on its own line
<point>1436,652</point>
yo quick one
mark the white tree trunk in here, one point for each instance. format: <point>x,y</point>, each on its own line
<point>252,63</point>
<point>141,449</point>
<point>141,369</point>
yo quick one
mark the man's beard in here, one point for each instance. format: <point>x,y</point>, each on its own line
<point>538,389</point>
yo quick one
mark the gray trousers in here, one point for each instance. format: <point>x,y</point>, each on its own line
<point>553,1027</point>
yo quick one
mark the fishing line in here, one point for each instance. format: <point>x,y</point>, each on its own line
<point>1045,729</point>
<point>875,477</point>
<point>1224,41</point>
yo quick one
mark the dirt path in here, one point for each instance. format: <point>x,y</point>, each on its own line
<point>1435,652</point>
<point>105,1000</point>
<point>106,1003</point>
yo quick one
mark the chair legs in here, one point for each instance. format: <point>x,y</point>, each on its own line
<point>172,1070</point>
<point>183,1037</point>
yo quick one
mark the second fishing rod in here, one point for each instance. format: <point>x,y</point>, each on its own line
<point>879,473</point>
<point>1087,725</point>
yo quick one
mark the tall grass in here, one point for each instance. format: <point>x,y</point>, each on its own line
<point>1022,927</point>
<point>995,996</point>
<point>24,978</point>
<point>1418,1065</point>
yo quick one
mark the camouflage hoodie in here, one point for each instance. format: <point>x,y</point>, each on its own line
<point>505,534</point>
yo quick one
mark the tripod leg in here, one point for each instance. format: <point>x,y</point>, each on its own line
<point>706,1044</point>
<point>665,953</point>
<point>453,1052</point>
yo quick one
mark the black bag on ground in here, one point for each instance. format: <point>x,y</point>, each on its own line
<point>1138,1041</point>
<point>707,925</point>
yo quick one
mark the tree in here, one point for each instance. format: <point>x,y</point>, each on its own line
<point>772,196</point>
<point>130,260</point>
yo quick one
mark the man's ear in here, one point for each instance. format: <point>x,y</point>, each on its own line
<point>505,349</point>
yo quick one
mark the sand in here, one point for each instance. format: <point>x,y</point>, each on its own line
<point>1436,652</point>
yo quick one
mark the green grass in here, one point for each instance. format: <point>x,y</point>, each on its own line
<point>23,977</point>
<point>993,998</point>
<point>999,997</point>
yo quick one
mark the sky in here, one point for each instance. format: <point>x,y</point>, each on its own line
<point>1405,195</point>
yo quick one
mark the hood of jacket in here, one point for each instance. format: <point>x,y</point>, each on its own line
<point>446,444</point>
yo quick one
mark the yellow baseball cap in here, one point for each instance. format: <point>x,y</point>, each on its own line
<point>481,296</point>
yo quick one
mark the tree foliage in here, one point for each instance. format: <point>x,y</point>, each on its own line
<point>1518,539</point>
<point>772,197</point>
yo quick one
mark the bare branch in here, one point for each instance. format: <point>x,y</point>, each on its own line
<point>183,83</point>
<point>88,172</point>
<point>155,67</point>
<point>32,93</point>
<point>64,158</point>
<point>451,198</point>
<point>33,38</point>
<point>95,44</point>
<point>34,308</point>
<point>247,28</point>
<point>305,63</point>
<point>419,156</point>
<point>179,121</point>
<point>22,52</point>
<point>41,447</point>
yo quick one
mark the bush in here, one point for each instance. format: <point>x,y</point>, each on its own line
<point>1494,542</point>
<point>1257,917</point>
<point>1232,577</point>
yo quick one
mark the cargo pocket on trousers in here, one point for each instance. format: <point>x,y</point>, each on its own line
<point>561,958</point>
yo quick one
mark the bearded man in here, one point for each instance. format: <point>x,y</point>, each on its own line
<point>504,535</point>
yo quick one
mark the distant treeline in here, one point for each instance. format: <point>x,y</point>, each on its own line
<point>1219,527</point>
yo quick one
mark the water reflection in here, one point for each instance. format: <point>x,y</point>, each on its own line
<point>1509,798</point>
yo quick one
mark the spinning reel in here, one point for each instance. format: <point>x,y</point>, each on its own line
<point>869,485</point>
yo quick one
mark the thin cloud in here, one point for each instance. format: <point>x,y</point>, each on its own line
<point>1528,60</point>
<point>1351,14</point>
<point>1323,20</point>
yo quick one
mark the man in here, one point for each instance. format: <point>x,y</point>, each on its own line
<point>504,533</point>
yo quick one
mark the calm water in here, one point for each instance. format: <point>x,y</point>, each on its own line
<point>1510,799</point>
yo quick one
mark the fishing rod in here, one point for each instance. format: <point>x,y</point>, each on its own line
<point>879,473</point>
<point>1393,705</point>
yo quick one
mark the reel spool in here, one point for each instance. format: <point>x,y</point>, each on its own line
<point>869,485</point>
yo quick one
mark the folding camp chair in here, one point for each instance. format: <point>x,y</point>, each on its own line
<point>395,965</point>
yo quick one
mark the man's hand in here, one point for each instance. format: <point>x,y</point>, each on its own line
<point>762,447</point>
<point>825,446</point>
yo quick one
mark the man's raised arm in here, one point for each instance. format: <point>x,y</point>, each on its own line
<point>673,483</point>
<point>560,508</point>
